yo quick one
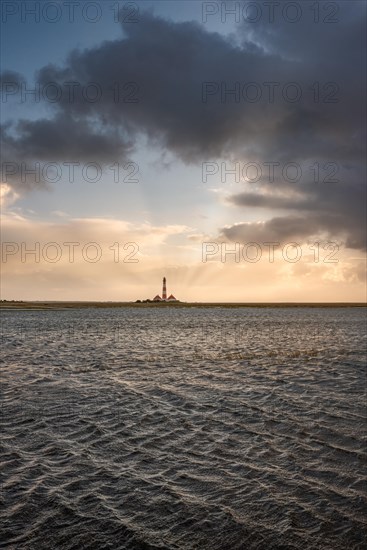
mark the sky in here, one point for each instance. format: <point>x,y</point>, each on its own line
<point>219,144</point>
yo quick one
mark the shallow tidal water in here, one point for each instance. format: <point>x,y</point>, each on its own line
<point>170,428</point>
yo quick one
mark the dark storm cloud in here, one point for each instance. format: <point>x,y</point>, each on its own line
<point>327,132</point>
<point>10,77</point>
<point>299,229</point>
<point>168,64</point>
<point>159,68</point>
<point>307,197</point>
<point>336,209</point>
<point>337,213</point>
<point>64,137</point>
<point>257,200</point>
<point>26,152</point>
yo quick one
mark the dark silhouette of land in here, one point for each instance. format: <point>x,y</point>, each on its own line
<point>19,304</point>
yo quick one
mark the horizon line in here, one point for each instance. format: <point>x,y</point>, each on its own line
<point>178,303</point>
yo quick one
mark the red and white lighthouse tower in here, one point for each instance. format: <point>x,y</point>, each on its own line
<point>164,290</point>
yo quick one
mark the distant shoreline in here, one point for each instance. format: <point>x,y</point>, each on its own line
<point>54,305</point>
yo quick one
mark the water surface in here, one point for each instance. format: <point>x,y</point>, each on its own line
<point>184,429</point>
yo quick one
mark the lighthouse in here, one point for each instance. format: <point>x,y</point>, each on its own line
<point>164,298</point>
